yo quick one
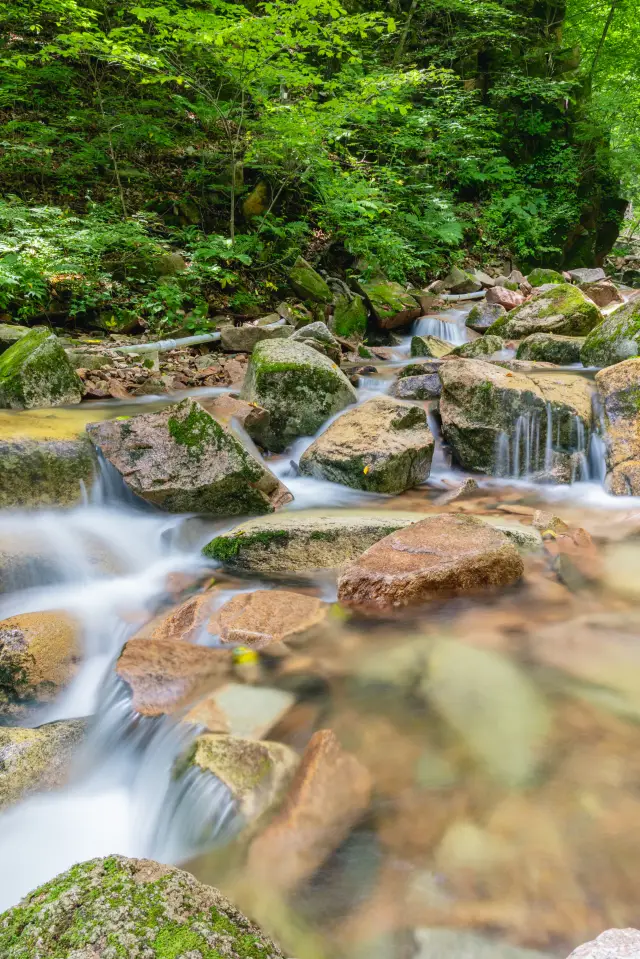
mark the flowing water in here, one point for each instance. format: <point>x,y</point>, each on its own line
<point>501,732</point>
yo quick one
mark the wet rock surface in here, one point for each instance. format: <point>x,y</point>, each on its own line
<point>619,390</point>
<point>37,759</point>
<point>561,308</point>
<point>41,473</point>
<point>267,617</point>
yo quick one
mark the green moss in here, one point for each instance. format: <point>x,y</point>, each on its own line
<point>616,339</point>
<point>429,346</point>
<point>36,371</point>
<point>197,430</point>
<point>539,277</point>
<point>415,369</point>
<point>308,284</point>
<point>173,941</point>
<point>349,317</point>
<point>227,549</point>
<point>484,346</point>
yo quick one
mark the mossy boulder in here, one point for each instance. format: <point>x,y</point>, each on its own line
<point>45,472</point>
<point>484,346</point>
<point>132,908</point>
<point>619,389</point>
<point>391,305</point>
<point>349,317</point>
<point>539,277</point>
<point>308,283</point>
<point>459,281</point>
<point>318,336</point>
<point>551,348</point>
<point>561,308</point>
<point>430,346</point>
<point>382,446</point>
<point>36,759</point>
<point>183,460</point>
<point>243,339</point>
<point>616,339</point>
<point>299,386</point>
<point>11,334</point>
<point>36,372</point>
<point>425,386</point>
<point>484,315</point>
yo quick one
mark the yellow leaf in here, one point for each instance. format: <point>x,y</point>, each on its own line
<point>366,470</point>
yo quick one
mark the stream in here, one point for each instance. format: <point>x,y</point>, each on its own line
<point>447,843</point>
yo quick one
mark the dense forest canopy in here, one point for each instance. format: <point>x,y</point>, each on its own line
<point>395,136</point>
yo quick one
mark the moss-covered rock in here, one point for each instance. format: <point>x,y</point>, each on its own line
<point>391,305</point>
<point>561,309</point>
<point>299,386</point>
<point>614,340</point>
<point>460,281</point>
<point>129,909</point>
<point>484,346</point>
<point>539,277</point>
<point>308,283</point>
<point>382,446</point>
<point>183,460</point>
<point>349,317</point>
<point>36,371</point>
<point>430,346</point>
<point>45,473</point>
<point>319,337</point>
<point>551,348</point>
<point>484,315</point>
<point>36,759</point>
<point>619,389</point>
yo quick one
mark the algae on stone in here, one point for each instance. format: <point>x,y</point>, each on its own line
<point>391,305</point>
<point>36,371</point>
<point>36,759</point>
<point>45,473</point>
<point>349,316</point>
<point>484,315</point>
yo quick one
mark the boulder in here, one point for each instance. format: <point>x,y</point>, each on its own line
<point>483,279</point>
<point>430,346</point>
<point>602,294</point>
<point>382,446</point>
<point>539,277</point>
<point>459,281</point>
<point>319,337</point>
<point>243,339</point>
<point>227,409</point>
<point>423,387</point>
<point>268,617</point>
<point>456,944</point>
<point>37,372</point>
<point>36,759</point>
<point>186,622</point>
<point>349,316</point>
<point>38,657</point>
<point>484,406</point>
<point>440,556</point>
<point>129,907</point>
<point>298,541</point>
<point>484,346</point>
<point>586,275</point>
<point>308,284</point>
<point>182,460</point>
<point>551,348</point>
<point>391,305</point>
<point>612,944</point>
<point>619,389</point>
<point>328,795</point>
<point>616,339</point>
<point>507,299</point>
<point>45,473</point>
<point>484,315</point>
<point>300,387</point>
<point>255,773</point>
<point>11,334</point>
<point>561,309</point>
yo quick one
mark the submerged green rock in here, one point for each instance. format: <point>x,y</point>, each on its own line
<point>118,908</point>
<point>299,387</point>
<point>36,372</point>
<point>616,339</point>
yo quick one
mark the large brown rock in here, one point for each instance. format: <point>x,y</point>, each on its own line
<point>382,446</point>
<point>329,793</point>
<point>619,389</point>
<point>507,299</point>
<point>612,944</point>
<point>268,616</point>
<point>602,294</point>
<point>437,557</point>
<point>183,460</point>
<point>165,677</point>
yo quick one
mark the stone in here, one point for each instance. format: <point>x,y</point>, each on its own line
<point>456,944</point>
<point>551,348</point>
<point>319,337</point>
<point>602,294</point>
<point>269,616</point>
<point>39,653</point>
<point>89,361</point>
<point>256,773</point>
<point>612,944</point>
<point>305,540</point>
<point>164,676</point>
<point>227,409</point>
<point>616,339</point>
<point>586,275</point>
<point>459,281</point>
<point>507,299</point>
<point>169,264</point>
<point>467,486</point>
<point>36,759</point>
<point>484,346</point>
<point>501,717</point>
<point>540,277</point>
<point>382,446</point>
<point>619,390</point>
<point>129,907</point>
<point>483,279</point>
<point>424,387</point>
<point>481,403</point>
<point>37,372</point>
<point>182,460</point>
<point>329,794</point>
<point>391,305</point>
<point>245,711</point>
<point>243,339</point>
<point>430,346</point>
<point>300,387</point>
<point>10,334</point>
<point>45,473</point>
<point>484,315</point>
<point>349,317</point>
<point>439,556</point>
<point>187,622</point>
<point>516,277</point>
<point>308,283</point>
<point>561,309</point>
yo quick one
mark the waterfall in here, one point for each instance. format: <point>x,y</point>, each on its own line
<point>448,329</point>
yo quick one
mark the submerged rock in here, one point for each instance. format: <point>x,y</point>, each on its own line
<point>439,556</point>
<point>484,315</point>
<point>182,460</point>
<point>300,387</point>
<point>297,541</point>
<point>320,338</point>
<point>269,616</point>
<point>484,346</point>
<point>551,348</point>
<point>430,346</point>
<point>391,305</point>
<point>129,907</point>
<point>619,389</point>
<point>45,472</point>
<point>561,308</point>
<point>37,372</point>
<point>308,283</point>
<point>382,446</point>
<point>616,339</point>
<point>36,759</point>
<point>456,944</point>
<point>241,710</point>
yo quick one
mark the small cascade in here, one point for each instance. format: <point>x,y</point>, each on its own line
<point>444,329</point>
